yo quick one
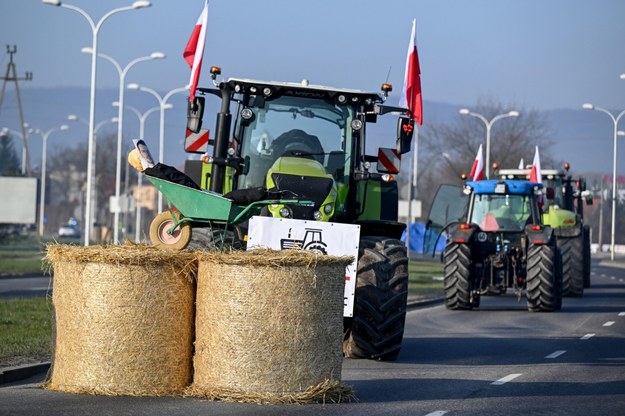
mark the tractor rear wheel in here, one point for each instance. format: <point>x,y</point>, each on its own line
<point>377,328</point>
<point>543,292</point>
<point>457,276</point>
<point>572,250</point>
<point>586,232</point>
<point>178,240</point>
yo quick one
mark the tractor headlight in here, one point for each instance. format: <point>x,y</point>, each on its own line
<point>246,114</point>
<point>327,209</point>
<point>285,212</point>
<point>317,215</point>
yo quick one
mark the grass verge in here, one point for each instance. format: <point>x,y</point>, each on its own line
<point>425,278</point>
<point>25,331</point>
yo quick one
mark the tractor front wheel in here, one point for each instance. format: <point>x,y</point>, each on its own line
<point>178,240</point>
<point>377,328</point>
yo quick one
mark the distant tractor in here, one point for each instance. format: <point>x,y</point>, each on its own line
<point>500,243</point>
<point>563,210</point>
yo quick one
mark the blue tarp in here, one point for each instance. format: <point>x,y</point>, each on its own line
<point>422,241</point>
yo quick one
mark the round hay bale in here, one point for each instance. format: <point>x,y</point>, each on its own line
<point>269,327</point>
<point>124,319</point>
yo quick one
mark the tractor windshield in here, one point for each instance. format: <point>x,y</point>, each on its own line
<point>500,212</point>
<point>295,126</point>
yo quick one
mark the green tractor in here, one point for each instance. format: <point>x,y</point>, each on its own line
<point>308,142</point>
<point>563,210</point>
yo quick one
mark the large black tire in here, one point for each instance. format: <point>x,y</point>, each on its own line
<point>543,294</point>
<point>572,250</point>
<point>586,232</point>
<point>377,328</point>
<point>457,276</point>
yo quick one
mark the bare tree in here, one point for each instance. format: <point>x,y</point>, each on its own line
<point>68,180</point>
<point>448,150</point>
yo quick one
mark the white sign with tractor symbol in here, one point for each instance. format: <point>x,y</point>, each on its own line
<point>326,238</point>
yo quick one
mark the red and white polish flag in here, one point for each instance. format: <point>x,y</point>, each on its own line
<point>411,93</point>
<point>477,170</point>
<point>535,174</point>
<point>194,51</point>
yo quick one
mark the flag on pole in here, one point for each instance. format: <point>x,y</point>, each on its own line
<point>411,92</point>
<point>194,51</point>
<point>535,174</point>
<point>477,170</point>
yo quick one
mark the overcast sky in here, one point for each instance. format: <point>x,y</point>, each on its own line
<point>544,54</point>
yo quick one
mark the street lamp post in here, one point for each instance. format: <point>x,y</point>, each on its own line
<point>488,124</point>
<point>142,118</point>
<point>162,102</point>
<point>95,28</point>
<point>120,115</point>
<point>42,184</point>
<point>615,120</point>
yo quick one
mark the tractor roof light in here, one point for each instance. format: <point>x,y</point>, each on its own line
<point>387,177</point>
<point>267,92</point>
<point>467,190</point>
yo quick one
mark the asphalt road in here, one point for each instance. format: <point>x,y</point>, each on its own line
<point>498,360</point>
<point>25,286</point>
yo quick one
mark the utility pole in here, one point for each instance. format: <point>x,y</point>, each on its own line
<point>11,75</point>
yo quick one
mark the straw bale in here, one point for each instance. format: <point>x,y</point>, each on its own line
<point>269,327</point>
<point>124,319</point>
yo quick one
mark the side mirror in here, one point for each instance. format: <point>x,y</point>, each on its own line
<point>195,110</point>
<point>405,128</point>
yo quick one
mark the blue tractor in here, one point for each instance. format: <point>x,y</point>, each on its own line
<point>499,243</point>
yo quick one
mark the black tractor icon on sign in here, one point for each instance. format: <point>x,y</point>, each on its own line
<point>312,241</point>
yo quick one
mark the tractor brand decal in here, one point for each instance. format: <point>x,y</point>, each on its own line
<point>196,142</point>
<point>482,237</point>
<point>325,238</point>
<point>389,160</point>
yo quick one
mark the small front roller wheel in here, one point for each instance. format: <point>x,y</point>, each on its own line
<point>178,240</point>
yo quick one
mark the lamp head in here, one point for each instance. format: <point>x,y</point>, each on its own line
<point>513,113</point>
<point>141,4</point>
<point>133,86</point>
<point>464,111</point>
<point>157,55</point>
<point>64,127</point>
<point>87,49</point>
<point>72,117</point>
<point>52,2</point>
<point>588,106</point>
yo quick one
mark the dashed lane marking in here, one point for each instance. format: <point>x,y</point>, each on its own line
<point>437,413</point>
<point>609,323</point>
<point>587,336</point>
<point>555,354</point>
<point>506,379</point>
<point>621,314</point>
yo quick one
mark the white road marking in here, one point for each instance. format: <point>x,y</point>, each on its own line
<point>609,323</point>
<point>587,336</point>
<point>621,314</point>
<point>555,354</point>
<point>437,413</point>
<point>506,379</point>
<point>620,280</point>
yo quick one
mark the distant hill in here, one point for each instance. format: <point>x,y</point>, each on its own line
<point>583,138</point>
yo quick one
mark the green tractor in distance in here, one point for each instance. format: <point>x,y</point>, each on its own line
<point>308,142</point>
<point>563,210</point>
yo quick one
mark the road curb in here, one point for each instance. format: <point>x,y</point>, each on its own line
<point>11,374</point>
